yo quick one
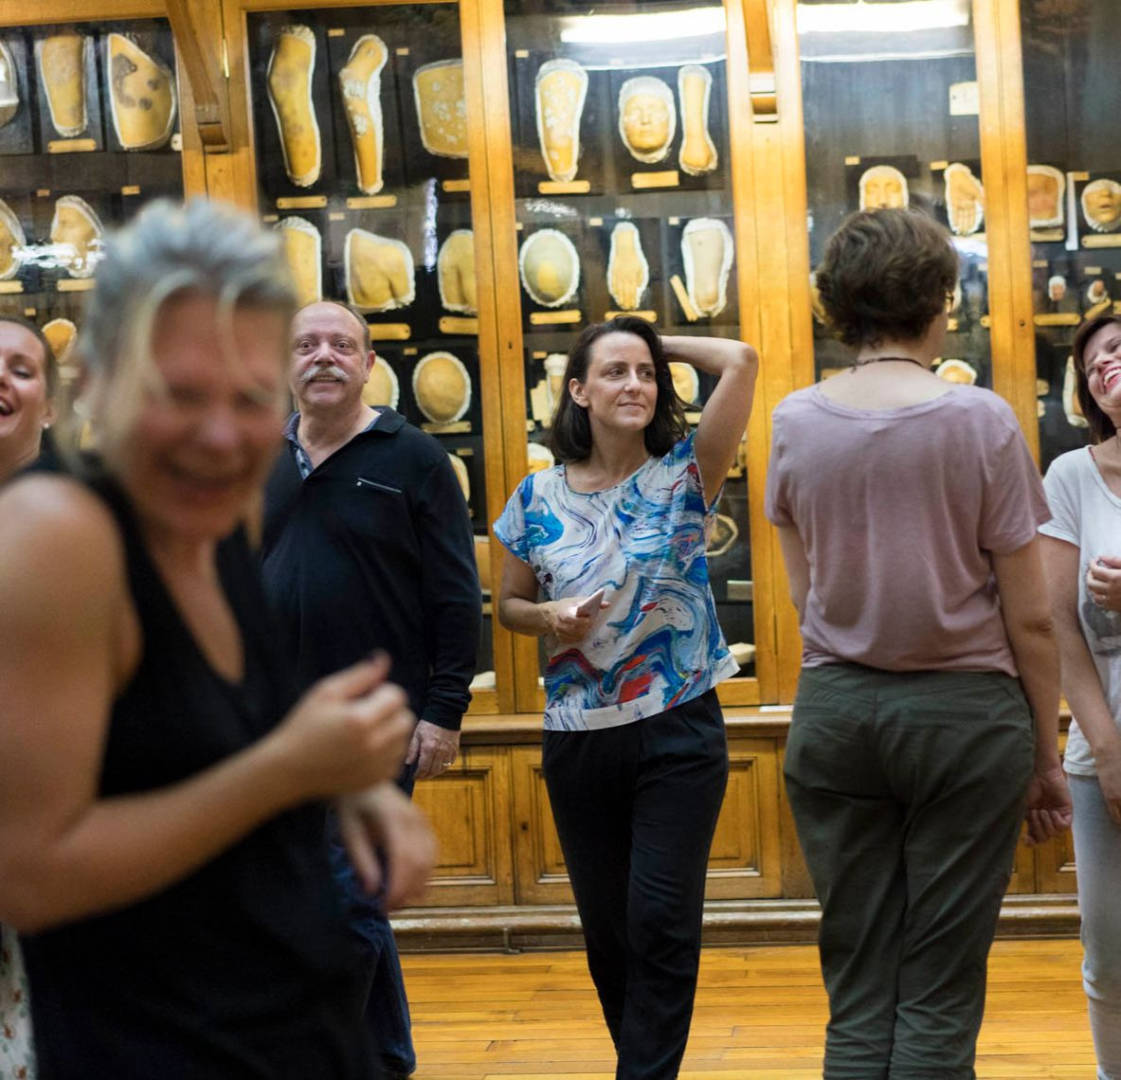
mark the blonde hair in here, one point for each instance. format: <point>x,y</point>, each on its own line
<point>168,250</point>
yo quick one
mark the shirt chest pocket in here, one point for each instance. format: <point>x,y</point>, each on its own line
<point>369,509</point>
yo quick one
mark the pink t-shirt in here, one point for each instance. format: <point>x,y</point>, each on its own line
<point>899,511</point>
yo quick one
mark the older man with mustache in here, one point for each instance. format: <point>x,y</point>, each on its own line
<point>367,545</point>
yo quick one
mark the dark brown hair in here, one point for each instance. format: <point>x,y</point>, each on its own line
<point>886,274</point>
<point>570,438</point>
<point>1101,427</point>
<point>50,362</point>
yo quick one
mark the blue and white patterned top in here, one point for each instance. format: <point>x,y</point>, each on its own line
<point>658,644</point>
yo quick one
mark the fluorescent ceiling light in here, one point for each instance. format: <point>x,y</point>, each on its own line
<point>647,26</point>
<point>890,18</point>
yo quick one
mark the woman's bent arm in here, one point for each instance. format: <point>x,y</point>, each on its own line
<point>65,853</point>
<point>1081,682</point>
<point>519,609</point>
<point>1027,620</point>
<point>725,413</point>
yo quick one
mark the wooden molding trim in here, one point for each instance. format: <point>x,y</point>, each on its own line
<point>726,922</point>
<point>209,106</point>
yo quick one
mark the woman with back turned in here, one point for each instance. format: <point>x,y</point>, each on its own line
<point>907,510</point>
<point>606,560</point>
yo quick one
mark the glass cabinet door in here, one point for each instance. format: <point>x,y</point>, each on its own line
<point>623,205</point>
<point>1074,193</point>
<point>89,132</point>
<point>360,142</point>
<point>891,105</point>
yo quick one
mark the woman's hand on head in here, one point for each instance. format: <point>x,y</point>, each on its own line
<point>348,732</point>
<point>1103,580</point>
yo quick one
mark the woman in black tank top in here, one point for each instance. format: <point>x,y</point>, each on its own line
<point>161,830</point>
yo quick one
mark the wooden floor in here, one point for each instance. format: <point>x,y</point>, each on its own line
<point>760,1015</point>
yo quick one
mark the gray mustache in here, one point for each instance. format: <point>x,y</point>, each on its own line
<point>331,370</point>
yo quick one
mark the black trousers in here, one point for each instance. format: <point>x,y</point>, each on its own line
<point>635,808</point>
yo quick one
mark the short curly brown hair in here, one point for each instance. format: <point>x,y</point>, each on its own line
<point>886,275</point>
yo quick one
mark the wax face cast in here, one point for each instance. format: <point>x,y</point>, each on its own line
<point>76,232</point>
<point>560,89</point>
<point>1046,187</point>
<point>141,95</point>
<point>1101,205</point>
<point>360,83</point>
<point>883,187</point>
<point>291,68</point>
<point>647,118</point>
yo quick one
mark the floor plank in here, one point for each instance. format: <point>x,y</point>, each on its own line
<point>760,1014</point>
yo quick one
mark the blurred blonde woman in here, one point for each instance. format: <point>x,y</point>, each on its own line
<point>161,820</point>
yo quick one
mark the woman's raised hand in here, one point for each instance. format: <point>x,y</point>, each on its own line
<point>348,732</point>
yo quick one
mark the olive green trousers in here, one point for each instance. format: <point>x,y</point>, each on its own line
<point>908,792</point>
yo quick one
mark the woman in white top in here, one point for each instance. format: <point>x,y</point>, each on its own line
<point>1080,545</point>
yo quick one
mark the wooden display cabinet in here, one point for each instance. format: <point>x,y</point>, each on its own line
<point>102,174</point>
<point>501,879</point>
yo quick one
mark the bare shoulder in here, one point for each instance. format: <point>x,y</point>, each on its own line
<point>62,549</point>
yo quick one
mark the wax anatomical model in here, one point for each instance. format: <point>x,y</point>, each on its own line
<point>1097,293</point>
<point>141,95</point>
<point>1101,204</point>
<point>561,88</point>
<point>76,232</point>
<point>549,267</point>
<point>360,83</point>
<point>883,187</point>
<point>442,387</point>
<point>455,272</point>
<point>707,250</point>
<point>291,67</point>
<point>960,372</point>
<point>303,250</point>
<point>698,152</point>
<point>441,109</point>
<point>459,467</point>
<point>60,333</point>
<point>647,118</point>
<point>9,85</point>
<point>1071,408</point>
<point>965,199</point>
<point>1046,187</point>
<point>12,243</point>
<point>62,71</point>
<point>555,364</point>
<point>628,272</point>
<point>686,384</point>
<point>379,271</point>
<point>382,387</point>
